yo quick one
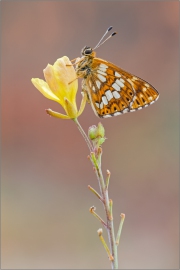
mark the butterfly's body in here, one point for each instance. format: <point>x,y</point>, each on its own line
<point>111,90</point>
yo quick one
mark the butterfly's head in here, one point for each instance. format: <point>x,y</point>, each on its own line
<point>87,51</point>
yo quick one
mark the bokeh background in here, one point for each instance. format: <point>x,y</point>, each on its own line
<point>46,222</point>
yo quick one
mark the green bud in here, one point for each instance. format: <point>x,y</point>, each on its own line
<point>96,135</point>
<point>92,132</point>
<point>100,131</point>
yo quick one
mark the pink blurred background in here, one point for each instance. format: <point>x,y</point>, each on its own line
<point>45,172</point>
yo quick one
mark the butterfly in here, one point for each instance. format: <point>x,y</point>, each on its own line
<point>111,90</point>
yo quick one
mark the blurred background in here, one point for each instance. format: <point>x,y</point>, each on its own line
<point>46,222</point>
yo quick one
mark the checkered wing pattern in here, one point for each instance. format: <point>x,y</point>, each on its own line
<point>113,91</point>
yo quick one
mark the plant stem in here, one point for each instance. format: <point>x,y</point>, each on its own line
<point>110,225</point>
<point>104,194</point>
<point>83,134</point>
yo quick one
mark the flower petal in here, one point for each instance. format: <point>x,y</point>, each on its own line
<point>56,84</point>
<point>43,87</point>
<point>66,73</point>
<point>56,114</point>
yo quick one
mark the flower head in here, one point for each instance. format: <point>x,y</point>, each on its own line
<point>61,85</point>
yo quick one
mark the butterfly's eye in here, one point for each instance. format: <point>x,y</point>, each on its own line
<point>87,50</point>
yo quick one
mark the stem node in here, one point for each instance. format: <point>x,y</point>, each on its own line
<point>92,211</point>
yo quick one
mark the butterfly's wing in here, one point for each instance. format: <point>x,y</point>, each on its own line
<point>113,91</point>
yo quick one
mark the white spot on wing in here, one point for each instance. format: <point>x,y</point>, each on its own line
<point>117,74</point>
<point>103,66</point>
<point>117,113</point>
<point>98,84</point>
<point>131,103</point>
<point>101,77</point>
<point>120,83</point>
<point>104,99</point>
<point>126,110</point>
<point>97,104</point>
<point>108,95</point>
<point>115,86</point>
<point>107,115</point>
<point>102,69</point>
<point>94,89</point>
<point>122,80</point>
<point>101,105</point>
<point>116,94</point>
<point>101,72</point>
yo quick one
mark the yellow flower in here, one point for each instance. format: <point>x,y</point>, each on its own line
<point>61,86</point>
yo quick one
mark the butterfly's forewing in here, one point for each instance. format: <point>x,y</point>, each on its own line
<point>113,91</point>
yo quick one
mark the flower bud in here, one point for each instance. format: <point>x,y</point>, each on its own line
<point>96,135</point>
<point>92,132</point>
<point>100,130</point>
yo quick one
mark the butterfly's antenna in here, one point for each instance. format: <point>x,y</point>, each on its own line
<point>103,36</point>
<point>113,34</point>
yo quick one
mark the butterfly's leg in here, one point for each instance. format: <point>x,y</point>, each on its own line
<point>73,80</point>
<point>75,60</point>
